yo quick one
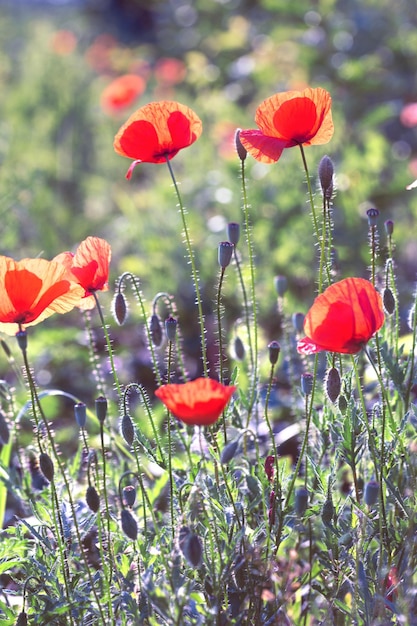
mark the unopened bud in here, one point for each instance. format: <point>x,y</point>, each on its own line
<point>92,498</point>
<point>327,512</point>
<point>389,227</point>
<point>389,301</point>
<point>119,308</point>
<point>155,330</point>
<point>274,349</point>
<point>281,285</point>
<point>373,215</point>
<point>46,465</point>
<point>4,429</point>
<point>22,340</point>
<point>298,321</point>
<point>307,381</point>
<point>171,328</point>
<point>225,252</point>
<point>129,495</point>
<point>80,412</point>
<point>233,232</point>
<point>240,149</point>
<point>101,408</point>
<point>371,493</point>
<point>301,501</point>
<point>229,451</point>
<point>127,429</point>
<point>129,524</point>
<point>239,348</point>
<point>326,171</point>
<point>333,384</point>
<point>22,619</point>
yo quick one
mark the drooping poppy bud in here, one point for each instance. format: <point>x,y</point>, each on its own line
<point>129,524</point>
<point>129,495</point>
<point>333,384</point>
<point>119,308</point>
<point>240,149</point>
<point>155,329</point>
<point>47,466</point>
<point>298,321</point>
<point>239,349</point>
<point>127,429</point>
<point>92,498</point>
<point>389,301</point>
<point>229,451</point>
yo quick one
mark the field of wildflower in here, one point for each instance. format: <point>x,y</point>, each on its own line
<point>208,313</point>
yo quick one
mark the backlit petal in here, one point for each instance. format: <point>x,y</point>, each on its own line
<point>261,147</point>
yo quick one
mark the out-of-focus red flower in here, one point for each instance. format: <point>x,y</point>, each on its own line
<point>408,115</point>
<point>199,402</point>
<point>170,71</point>
<point>31,290</point>
<point>343,318</point>
<point>99,54</point>
<point>63,42</point>
<point>157,132</point>
<point>122,92</point>
<point>289,119</point>
<point>390,585</point>
<point>89,267</point>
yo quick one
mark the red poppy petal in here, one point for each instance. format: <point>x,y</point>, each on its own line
<point>306,346</point>
<point>139,141</point>
<point>91,264</point>
<point>23,288</point>
<point>296,120</point>
<point>261,147</point>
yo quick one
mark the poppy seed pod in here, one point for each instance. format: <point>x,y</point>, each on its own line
<point>225,252</point>
<point>119,308</point>
<point>155,329</point>
<point>127,429</point>
<point>281,285</point>
<point>171,328</point>
<point>307,381</point>
<point>274,349</point>
<point>301,501</point>
<point>241,151</point>
<point>389,227</point>
<point>129,495</point>
<point>192,549</point>
<point>129,524</point>
<point>101,408</point>
<point>388,300</point>
<point>333,384</point>
<point>80,412</point>
<point>233,232</point>
<point>92,498</point>
<point>229,451</point>
<point>46,465</point>
<point>371,493</point>
<point>373,215</point>
<point>326,172</point>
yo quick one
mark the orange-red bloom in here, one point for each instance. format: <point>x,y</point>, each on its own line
<point>89,267</point>
<point>31,290</point>
<point>343,318</point>
<point>157,132</point>
<point>199,402</point>
<point>122,92</point>
<point>289,119</point>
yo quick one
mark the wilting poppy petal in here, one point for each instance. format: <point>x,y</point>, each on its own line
<point>89,267</point>
<point>343,318</point>
<point>122,92</point>
<point>157,131</point>
<point>289,119</point>
<point>32,290</point>
<point>199,402</point>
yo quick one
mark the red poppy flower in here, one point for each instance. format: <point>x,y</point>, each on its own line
<point>89,267</point>
<point>199,402</point>
<point>343,318</point>
<point>289,119</point>
<point>122,92</point>
<point>31,290</point>
<point>157,132</point>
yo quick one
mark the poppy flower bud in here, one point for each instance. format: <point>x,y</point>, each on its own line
<point>22,619</point>
<point>171,328</point>
<point>373,215</point>
<point>327,512</point>
<point>80,412</point>
<point>326,171</point>
<point>241,151</point>
<point>92,498</point>
<point>229,451</point>
<point>342,404</point>
<point>127,429</point>
<point>4,430</point>
<point>22,340</point>
<point>129,495</point>
<point>301,501</point>
<point>239,349</point>
<point>371,493</point>
<point>38,479</point>
<point>307,381</point>
<point>46,465</point>
<point>192,549</point>
<point>389,301</point>
<point>225,252</point>
<point>298,321</point>
<point>129,524</point>
<point>274,350</point>
<point>389,227</point>
<point>333,384</point>
<point>155,330</point>
<point>281,285</point>
<point>101,408</point>
<point>233,232</point>
<point>119,308</point>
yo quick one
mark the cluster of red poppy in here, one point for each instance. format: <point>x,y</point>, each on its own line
<point>343,318</point>
<point>33,289</point>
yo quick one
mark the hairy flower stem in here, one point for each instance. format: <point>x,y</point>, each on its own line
<point>169,427</point>
<point>36,406</point>
<point>277,482</point>
<point>191,257</point>
<point>219,308</point>
<point>109,346</point>
<point>245,307</point>
<point>248,234</point>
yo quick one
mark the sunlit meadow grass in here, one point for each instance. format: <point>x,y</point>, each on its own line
<point>247,520</point>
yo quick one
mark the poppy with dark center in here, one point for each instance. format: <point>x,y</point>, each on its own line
<point>89,267</point>
<point>33,289</point>
<point>199,402</point>
<point>122,92</point>
<point>156,132</point>
<point>343,318</point>
<point>288,119</point>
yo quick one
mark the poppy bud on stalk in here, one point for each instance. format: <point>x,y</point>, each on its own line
<point>371,493</point>
<point>241,151</point>
<point>155,330</point>
<point>127,429</point>
<point>233,232</point>
<point>225,252</point>
<point>301,501</point>
<point>373,215</point>
<point>129,495</point>
<point>326,171</point>
<point>171,328</point>
<point>129,524</point>
<point>333,384</point>
<point>389,227</point>
<point>119,308</point>
<point>80,412</point>
<point>239,349</point>
<point>298,321</point>
<point>307,381</point>
<point>22,340</point>
<point>92,498</point>
<point>274,350</point>
<point>101,408</point>
<point>389,301</point>
<point>22,619</point>
<point>281,285</point>
<point>47,466</point>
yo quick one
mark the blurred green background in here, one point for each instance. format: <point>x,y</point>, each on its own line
<point>61,181</point>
